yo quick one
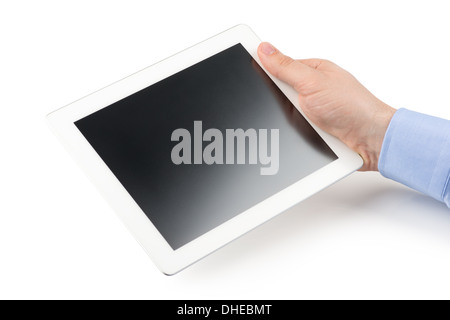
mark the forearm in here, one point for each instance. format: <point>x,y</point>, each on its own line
<point>416,152</point>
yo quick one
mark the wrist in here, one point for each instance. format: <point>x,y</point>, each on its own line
<point>370,146</point>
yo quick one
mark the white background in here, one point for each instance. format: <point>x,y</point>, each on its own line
<point>364,237</point>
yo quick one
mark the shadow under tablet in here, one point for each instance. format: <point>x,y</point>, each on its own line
<point>226,91</point>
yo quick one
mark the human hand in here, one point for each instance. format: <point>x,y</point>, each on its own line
<point>335,101</point>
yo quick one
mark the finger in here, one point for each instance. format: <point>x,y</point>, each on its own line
<point>291,71</point>
<point>312,63</point>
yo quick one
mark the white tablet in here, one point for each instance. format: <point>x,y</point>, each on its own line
<point>196,150</point>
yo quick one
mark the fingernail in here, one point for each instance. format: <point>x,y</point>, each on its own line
<point>267,48</point>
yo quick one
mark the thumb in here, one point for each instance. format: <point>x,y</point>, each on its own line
<point>291,71</point>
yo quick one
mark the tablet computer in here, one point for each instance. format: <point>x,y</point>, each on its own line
<point>200,148</point>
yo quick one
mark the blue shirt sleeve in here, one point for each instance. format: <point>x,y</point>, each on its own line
<point>416,153</point>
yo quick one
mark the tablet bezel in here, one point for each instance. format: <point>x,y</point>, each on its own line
<point>171,261</point>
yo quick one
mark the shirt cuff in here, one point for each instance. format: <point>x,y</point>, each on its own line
<point>416,153</point>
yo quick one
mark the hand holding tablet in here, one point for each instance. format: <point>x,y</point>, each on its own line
<point>334,100</point>
<point>200,148</point>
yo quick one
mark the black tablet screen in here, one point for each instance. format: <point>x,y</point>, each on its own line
<point>205,144</point>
